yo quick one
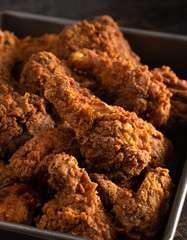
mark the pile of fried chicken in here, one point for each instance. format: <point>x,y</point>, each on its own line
<point>79,146</point>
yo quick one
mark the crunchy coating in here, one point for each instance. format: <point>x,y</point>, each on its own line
<point>178,88</point>
<point>101,34</point>
<point>142,213</point>
<point>30,45</point>
<point>31,161</point>
<point>4,180</point>
<point>76,207</point>
<point>8,45</point>
<point>134,88</point>
<point>128,150</point>
<point>21,117</point>
<point>18,201</point>
<point>110,137</point>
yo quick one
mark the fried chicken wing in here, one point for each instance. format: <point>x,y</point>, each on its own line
<point>178,88</point>
<point>140,213</point>
<point>76,207</point>
<point>132,87</point>
<point>18,201</point>
<point>110,137</point>
<point>101,34</point>
<point>31,161</point>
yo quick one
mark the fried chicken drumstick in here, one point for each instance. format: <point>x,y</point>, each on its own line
<point>103,52</point>
<point>142,213</point>
<point>110,137</point>
<point>113,71</point>
<point>134,88</point>
<point>119,74</point>
<point>76,207</point>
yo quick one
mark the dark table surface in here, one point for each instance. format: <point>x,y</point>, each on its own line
<point>166,16</point>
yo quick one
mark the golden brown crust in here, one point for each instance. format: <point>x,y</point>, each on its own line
<point>31,161</point>
<point>18,201</point>
<point>178,88</point>
<point>101,34</point>
<point>8,45</point>
<point>134,88</point>
<point>21,117</point>
<point>109,137</point>
<point>30,45</point>
<point>127,149</point>
<point>76,207</point>
<point>140,213</point>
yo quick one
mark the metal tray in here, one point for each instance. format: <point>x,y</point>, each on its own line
<point>156,49</point>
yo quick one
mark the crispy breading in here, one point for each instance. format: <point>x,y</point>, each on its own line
<point>21,117</point>
<point>30,45</point>
<point>110,137</point>
<point>30,162</point>
<point>134,88</point>
<point>76,207</point>
<point>178,88</point>
<point>18,201</point>
<point>101,34</point>
<point>8,46</point>
<point>142,213</point>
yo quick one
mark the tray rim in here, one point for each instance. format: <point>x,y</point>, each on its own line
<point>59,20</point>
<point>181,192</point>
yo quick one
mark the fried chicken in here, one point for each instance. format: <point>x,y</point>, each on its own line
<point>30,45</point>
<point>21,117</point>
<point>49,117</point>
<point>4,180</point>
<point>110,137</point>
<point>30,162</point>
<point>119,73</point>
<point>101,34</point>
<point>178,88</point>
<point>8,46</point>
<point>76,208</point>
<point>132,87</point>
<point>18,201</point>
<point>142,213</point>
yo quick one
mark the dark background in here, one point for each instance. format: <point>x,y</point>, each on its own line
<point>163,15</point>
<point>159,15</point>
